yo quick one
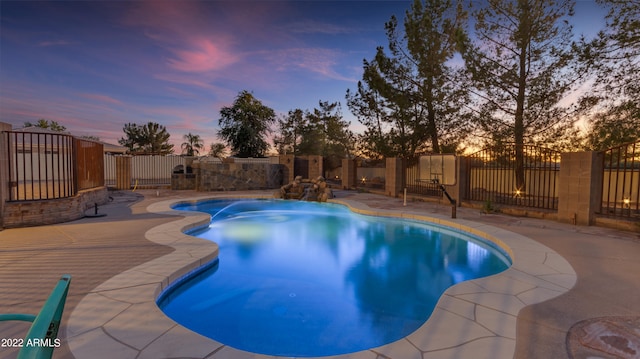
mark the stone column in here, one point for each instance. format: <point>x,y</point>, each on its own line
<point>461,187</point>
<point>315,166</point>
<point>123,172</point>
<point>287,161</point>
<point>348,173</point>
<point>580,187</point>
<point>394,177</point>
<point>4,170</point>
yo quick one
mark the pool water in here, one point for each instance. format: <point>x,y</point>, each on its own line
<point>308,279</point>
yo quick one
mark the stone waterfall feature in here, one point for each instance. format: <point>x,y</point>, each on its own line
<point>306,189</point>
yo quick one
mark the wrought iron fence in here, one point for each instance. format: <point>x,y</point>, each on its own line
<point>621,182</point>
<point>51,165</point>
<point>416,183</point>
<point>518,175</point>
<point>40,166</point>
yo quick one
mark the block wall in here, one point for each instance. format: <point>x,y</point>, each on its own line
<point>580,187</point>
<point>50,211</point>
<point>287,162</point>
<point>183,181</point>
<point>348,174</point>
<point>394,174</point>
<point>315,166</point>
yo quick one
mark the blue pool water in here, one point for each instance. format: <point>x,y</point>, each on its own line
<point>308,279</point>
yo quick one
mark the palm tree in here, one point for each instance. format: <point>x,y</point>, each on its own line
<point>218,150</point>
<point>42,123</point>
<point>193,144</point>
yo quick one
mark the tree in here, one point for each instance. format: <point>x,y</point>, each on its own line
<point>218,150</point>
<point>156,139</point>
<point>290,129</point>
<point>368,107</point>
<point>245,125</point>
<point>319,132</point>
<point>148,139</point>
<point>133,138</point>
<point>42,123</point>
<point>192,145</point>
<point>410,100</point>
<point>614,55</point>
<point>521,68</point>
<point>327,134</point>
<point>618,125</point>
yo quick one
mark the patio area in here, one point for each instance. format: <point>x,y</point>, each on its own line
<point>102,255</point>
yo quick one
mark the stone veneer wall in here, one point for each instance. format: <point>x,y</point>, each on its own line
<point>237,176</point>
<point>183,181</point>
<point>40,212</point>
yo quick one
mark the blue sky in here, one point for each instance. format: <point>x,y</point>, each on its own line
<point>93,66</point>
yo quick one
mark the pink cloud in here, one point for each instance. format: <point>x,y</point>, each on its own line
<point>183,29</point>
<point>202,55</point>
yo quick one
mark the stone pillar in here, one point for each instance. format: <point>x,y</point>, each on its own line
<point>461,187</point>
<point>123,172</point>
<point>348,173</point>
<point>188,162</point>
<point>580,187</point>
<point>394,177</point>
<point>315,166</point>
<point>4,170</point>
<point>287,161</point>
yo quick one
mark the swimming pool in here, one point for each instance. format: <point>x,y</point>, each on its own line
<point>308,279</point>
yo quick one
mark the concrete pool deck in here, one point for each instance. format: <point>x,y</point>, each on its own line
<point>117,274</point>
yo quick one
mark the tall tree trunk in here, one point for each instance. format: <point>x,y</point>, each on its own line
<point>431,119</point>
<point>433,132</point>
<point>519,117</point>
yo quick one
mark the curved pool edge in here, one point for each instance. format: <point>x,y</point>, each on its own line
<point>471,318</point>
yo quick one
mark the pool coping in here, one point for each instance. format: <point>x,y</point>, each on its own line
<point>476,318</point>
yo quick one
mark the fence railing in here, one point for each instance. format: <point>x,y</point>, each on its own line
<point>51,165</point>
<point>156,170</point>
<point>515,175</point>
<point>621,182</point>
<point>40,165</point>
<point>152,170</point>
<point>416,182</point>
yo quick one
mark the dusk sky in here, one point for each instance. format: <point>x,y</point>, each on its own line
<point>93,66</point>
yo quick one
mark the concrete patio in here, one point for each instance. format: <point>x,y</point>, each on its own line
<point>527,312</point>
